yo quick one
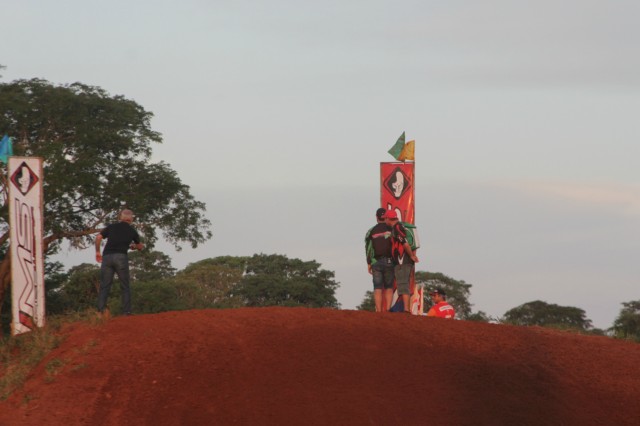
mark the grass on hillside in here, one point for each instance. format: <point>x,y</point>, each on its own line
<point>20,354</point>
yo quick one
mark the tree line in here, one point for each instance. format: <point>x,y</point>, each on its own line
<point>97,152</point>
<point>97,160</point>
<point>276,280</point>
<point>534,313</point>
<point>216,283</point>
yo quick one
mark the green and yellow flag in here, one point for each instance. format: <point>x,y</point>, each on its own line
<point>396,149</point>
<point>408,152</point>
<point>402,151</point>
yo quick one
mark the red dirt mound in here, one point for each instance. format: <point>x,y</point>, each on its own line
<point>320,367</point>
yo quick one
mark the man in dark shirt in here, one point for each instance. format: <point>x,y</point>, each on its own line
<point>379,261</point>
<point>121,237</point>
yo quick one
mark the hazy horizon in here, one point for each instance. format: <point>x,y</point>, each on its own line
<point>524,116</point>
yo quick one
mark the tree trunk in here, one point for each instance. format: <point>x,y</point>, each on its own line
<point>5,280</point>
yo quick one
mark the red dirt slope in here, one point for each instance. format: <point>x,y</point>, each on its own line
<point>321,367</point>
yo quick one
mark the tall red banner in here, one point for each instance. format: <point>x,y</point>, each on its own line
<point>397,189</point>
<point>397,192</point>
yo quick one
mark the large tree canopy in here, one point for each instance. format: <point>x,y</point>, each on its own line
<point>458,292</point>
<point>210,283</point>
<point>149,265</point>
<point>627,324</point>
<point>275,280</point>
<point>548,314</point>
<point>221,282</point>
<point>97,159</point>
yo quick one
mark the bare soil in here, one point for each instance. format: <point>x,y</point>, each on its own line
<point>286,366</point>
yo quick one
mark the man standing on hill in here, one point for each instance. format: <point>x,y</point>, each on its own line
<point>121,237</point>
<point>379,261</point>
<point>440,308</point>
<point>403,257</point>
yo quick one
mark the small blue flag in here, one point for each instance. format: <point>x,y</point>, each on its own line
<point>6,149</point>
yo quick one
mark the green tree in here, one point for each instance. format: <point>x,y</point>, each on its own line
<point>210,283</point>
<point>275,280</point>
<point>548,315</point>
<point>80,291</point>
<point>368,303</point>
<point>150,297</point>
<point>97,152</point>
<point>54,279</point>
<point>150,265</point>
<point>236,262</point>
<point>457,295</point>
<point>457,291</point>
<point>479,316</point>
<point>627,324</point>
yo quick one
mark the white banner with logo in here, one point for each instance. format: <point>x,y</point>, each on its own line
<point>27,256</point>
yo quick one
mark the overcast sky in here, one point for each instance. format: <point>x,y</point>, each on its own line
<point>277,115</point>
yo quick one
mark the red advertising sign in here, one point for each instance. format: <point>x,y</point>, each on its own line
<point>397,192</point>
<point>397,189</point>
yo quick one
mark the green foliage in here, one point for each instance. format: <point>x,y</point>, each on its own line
<point>150,265</point>
<point>548,315</point>
<point>54,279</point>
<point>457,291</point>
<point>457,295</point>
<point>221,282</point>
<point>97,151</point>
<point>53,368</point>
<point>275,280</point>
<point>19,355</point>
<point>261,280</point>
<point>235,262</point>
<point>150,297</point>
<point>479,316</point>
<point>97,159</point>
<point>54,275</point>
<point>211,283</point>
<point>368,303</point>
<point>627,324</point>
<point>79,292</point>
<point>5,316</point>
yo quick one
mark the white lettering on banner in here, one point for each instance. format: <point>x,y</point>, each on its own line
<point>24,220</point>
<point>27,262</point>
<point>26,299</point>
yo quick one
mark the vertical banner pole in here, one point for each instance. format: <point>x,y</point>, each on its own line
<point>397,192</point>
<point>26,234</point>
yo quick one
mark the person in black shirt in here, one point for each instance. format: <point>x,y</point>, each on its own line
<point>121,237</point>
<point>379,261</point>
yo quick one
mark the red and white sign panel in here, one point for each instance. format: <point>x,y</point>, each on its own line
<point>397,192</point>
<point>27,257</point>
<point>397,189</point>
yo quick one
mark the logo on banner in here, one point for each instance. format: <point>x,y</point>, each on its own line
<point>397,183</point>
<point>24,178</point>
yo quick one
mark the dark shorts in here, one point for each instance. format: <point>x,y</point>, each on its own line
<point>403,276</point>
<point>383,273</point>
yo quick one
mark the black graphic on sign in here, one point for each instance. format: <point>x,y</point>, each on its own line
<point>24,179</point>
<point>397,183</point>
